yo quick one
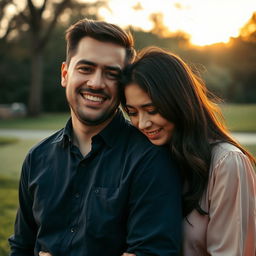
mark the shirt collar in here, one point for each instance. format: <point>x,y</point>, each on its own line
<point>111,132</point>
<point>65,135</point>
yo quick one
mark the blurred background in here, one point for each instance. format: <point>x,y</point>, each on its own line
<point>216,38</point>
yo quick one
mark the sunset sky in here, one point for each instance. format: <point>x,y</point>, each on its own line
<point>207,21</point>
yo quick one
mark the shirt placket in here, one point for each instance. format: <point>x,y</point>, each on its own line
<point>81,184</point>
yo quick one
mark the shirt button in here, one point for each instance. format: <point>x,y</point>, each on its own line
<point>96,191</point>
<point>72,230</point>
<point>77,195</point>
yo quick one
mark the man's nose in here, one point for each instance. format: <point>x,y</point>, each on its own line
<point>96,81</point>
<point>144,122</point>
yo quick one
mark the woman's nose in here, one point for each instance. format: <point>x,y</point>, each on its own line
<point>144,122</point>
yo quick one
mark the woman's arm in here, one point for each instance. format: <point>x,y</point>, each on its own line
<point>232,225</point>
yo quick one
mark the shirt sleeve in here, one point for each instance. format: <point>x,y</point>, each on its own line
<point>23,241</point>
<point>154,222</point>
<point>231,229</point>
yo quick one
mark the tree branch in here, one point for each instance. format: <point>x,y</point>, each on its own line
<point>41,10</point>
<point>32,8</point>
<point>11,26</point>
<point>58,10</point>
<point>3,4</point>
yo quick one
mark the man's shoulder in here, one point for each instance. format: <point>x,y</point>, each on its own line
<point>134,136</point>
<point>138,142</point>
<point>48,142</point>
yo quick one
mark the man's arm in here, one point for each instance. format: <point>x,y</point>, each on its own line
<point>155,216</point>
<point>23,240</point>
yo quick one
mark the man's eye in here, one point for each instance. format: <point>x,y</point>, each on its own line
<point>84,69</point>
<point>113,75</point>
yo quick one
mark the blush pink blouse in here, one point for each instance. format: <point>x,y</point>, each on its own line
<point>230,200</point>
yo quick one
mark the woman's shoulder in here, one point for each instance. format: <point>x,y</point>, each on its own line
<point>223,150</point>
<point>227,159</point>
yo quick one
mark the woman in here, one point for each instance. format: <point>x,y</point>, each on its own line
<point>170,105</point>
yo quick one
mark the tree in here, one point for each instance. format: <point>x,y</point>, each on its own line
<point>242,53</point>
<point>248,31</point>
<point>37,19</point>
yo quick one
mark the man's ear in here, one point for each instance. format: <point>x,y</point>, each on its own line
<point>64,71</point>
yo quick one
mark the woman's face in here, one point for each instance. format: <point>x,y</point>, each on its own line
<point>144,116</point>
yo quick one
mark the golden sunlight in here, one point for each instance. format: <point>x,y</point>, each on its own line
<point>206,22</point>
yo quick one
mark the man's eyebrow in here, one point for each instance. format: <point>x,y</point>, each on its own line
<point>86,62</point>
<point>90,63</point>
<point>113,68</point>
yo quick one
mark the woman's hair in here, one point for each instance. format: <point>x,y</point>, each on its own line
<point>101,31</point>
<point>182,98</point>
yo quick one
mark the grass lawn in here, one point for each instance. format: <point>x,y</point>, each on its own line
<point>240,118</point>
<point>251,148</point>
<point>8,208</point>
<point>11,158</point>
<point>52,121</point>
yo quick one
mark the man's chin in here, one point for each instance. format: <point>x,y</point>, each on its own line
<point>95,121</point>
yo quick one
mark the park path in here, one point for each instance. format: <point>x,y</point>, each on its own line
<point>243,138</point>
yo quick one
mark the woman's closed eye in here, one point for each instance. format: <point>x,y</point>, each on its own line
<point>152,111</point>
<point>134,112</point>
<point>131,112</point>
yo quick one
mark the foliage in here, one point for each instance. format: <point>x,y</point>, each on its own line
<point>228,69</point>
<point>36,22</point>
<point>248,32</point>
<point>30,20</point>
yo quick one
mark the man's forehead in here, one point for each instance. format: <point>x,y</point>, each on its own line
<point>102,53</point>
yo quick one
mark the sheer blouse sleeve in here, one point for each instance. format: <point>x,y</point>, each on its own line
<point>232,214</point>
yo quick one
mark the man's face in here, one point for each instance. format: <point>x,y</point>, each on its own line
<point>91,79</point>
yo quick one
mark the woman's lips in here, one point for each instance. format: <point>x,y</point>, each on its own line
<point>153,134</point>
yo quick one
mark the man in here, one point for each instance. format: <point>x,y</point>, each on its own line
<point>97,186</point>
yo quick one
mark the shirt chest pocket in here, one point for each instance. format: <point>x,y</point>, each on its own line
<point>106,210</point>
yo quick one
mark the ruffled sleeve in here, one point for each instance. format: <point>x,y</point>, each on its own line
<point>232,214</point>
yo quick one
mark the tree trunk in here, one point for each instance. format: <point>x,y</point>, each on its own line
<point>36,84</point>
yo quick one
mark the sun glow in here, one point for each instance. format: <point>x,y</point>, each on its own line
<point>207,22</point>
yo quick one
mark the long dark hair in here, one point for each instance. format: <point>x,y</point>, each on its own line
<point>182,98</point>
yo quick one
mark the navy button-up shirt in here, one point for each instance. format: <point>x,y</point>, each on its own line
<point>123,196</point>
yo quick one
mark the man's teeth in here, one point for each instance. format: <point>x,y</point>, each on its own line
<point>93,98</point>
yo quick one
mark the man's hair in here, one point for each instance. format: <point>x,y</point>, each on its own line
<point>101,31</point>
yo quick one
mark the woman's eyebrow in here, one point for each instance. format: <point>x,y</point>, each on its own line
<point>143,105</point>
